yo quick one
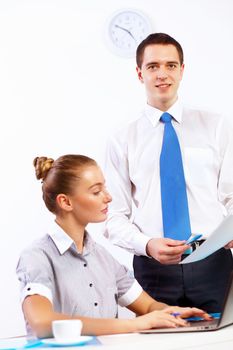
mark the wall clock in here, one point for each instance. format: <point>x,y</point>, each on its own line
<point>124,31</point>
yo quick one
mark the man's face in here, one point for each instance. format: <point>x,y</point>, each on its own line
<point>161,72</point>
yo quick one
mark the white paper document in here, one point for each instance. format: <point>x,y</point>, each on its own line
<point>218,239</point>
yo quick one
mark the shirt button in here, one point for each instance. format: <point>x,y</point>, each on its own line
<point>95,304</point>
<point>29,288</point>
<point>90,285</point>
<point>85,264</point>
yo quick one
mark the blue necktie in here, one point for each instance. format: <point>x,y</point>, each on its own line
<point>175,212</point>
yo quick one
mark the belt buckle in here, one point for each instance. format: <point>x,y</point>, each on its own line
<point>191,249</point>
<point>196,245</point>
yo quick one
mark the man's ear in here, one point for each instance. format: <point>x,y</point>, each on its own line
<point>63,201</point>
<point>181,71</point>
<point>139,73</point>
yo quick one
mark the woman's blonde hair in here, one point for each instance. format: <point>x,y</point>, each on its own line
<point>59,176</point>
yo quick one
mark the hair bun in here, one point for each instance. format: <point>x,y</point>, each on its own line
<point>42,166</point>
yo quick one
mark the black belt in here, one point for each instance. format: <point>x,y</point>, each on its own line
<point>194,246</point>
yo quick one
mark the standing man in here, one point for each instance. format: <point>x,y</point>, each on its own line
<point>135,168</point>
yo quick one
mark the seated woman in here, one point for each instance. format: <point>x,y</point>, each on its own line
<point>66,275</point>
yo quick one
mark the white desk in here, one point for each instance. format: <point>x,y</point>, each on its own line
<point>215,340</point>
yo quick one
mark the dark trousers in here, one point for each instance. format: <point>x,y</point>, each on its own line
<point>201,284</point>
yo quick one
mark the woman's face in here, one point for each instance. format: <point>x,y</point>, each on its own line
<point>90,198</point>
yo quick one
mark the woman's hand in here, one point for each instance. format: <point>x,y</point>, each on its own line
<point>185,312</point>
<point>158,319</point>
<point>166,318</point>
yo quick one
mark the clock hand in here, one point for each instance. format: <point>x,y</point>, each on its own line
<point>126,30</point>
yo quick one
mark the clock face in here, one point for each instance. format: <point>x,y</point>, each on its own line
<point>125,30</point>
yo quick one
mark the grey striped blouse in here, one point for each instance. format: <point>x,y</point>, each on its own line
<point>88,284</point>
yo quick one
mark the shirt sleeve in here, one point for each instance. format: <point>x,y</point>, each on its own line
<point>128,287</point>
<point>133,293</point>
<point>224,136</point>
<point>119,228</point>
<point>35,275</point>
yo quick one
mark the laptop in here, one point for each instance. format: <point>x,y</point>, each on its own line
<point>225,319</point>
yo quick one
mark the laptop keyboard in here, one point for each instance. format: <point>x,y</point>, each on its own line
<point>203,323</point>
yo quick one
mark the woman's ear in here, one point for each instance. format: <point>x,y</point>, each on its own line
<point>63,202</point>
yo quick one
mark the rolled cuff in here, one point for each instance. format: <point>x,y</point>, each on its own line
<point>131,295</point>
<point>140,243</point>
<point>36,288</point>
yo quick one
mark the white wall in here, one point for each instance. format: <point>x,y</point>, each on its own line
<point>62,91</point>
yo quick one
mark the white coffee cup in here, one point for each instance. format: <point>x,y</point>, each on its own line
<point>67,330</point>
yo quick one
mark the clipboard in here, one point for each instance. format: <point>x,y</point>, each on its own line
<point>222,235</point>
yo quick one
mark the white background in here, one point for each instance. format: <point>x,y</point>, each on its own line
<point>62,91</point>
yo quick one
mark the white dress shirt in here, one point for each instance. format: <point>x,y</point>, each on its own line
<point>133,180</point>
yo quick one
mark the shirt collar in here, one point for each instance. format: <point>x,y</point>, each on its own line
<point>63,241</point>
<point>154,114</point>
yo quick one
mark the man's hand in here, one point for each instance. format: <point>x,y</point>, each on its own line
<point>229,245</point>
<point>167,251</point>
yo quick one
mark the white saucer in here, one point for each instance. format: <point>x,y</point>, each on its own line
<point>79,341</point>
